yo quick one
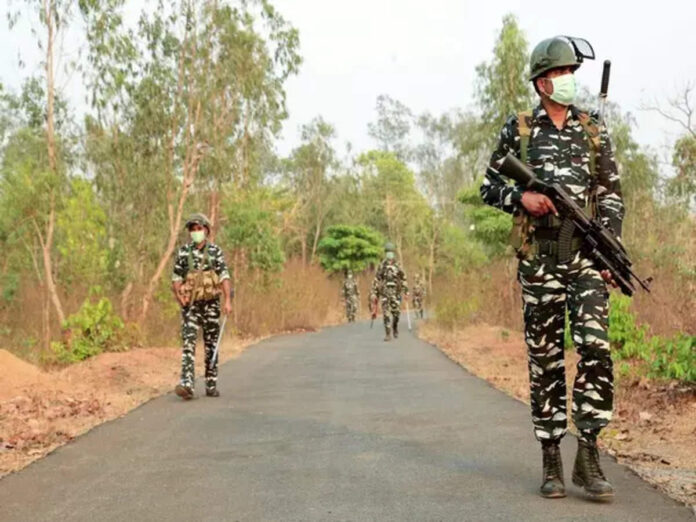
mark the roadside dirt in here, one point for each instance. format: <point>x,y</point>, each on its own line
<point>654,426</point>
<point>40,411</point>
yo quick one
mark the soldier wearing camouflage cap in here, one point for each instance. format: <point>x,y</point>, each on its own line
<point>200,276</point>
<point>388,286</point>
<point>561,144</point>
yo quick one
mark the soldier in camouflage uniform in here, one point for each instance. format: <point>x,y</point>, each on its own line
<point>418,295</point>
<point>561,144</point>
<point>388,285</point>
<point>200,275</point>
<point>351,296</point>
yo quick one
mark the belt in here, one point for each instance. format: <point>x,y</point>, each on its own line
<point>549,247</point>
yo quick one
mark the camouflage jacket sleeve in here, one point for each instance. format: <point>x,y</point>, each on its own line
<point>180,264</point>
<point>404,282</point>
<point>609,199</point>
<point>495,189</point>
<point>217,260</point>
<point>376,283</point>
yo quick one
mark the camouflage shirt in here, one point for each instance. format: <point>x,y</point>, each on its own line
<point>350,288</point>
<point>215,260</point>
<point>388,275</point>
<point>558,156</point>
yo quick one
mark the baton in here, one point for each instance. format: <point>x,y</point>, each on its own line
<point>408,316</point>
<point>213,360</point>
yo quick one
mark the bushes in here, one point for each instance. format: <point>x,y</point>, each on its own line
<point>665,358</point>
<point>93,329</point>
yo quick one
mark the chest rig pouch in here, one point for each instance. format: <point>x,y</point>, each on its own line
<point>549,235</point>
<point>201,284</point>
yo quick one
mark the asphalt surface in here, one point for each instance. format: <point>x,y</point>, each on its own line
<point>335,425</point>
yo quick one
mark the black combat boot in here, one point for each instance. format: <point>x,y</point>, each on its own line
<point>553,485</point>
<point>396,328</point>
<point>212,392</point>
<point>588,474</point>
<point>185,392</point>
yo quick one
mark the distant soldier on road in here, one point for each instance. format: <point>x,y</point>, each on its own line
<point>388,286</point>
<point>351,296</point>
<point>200,276</point>
<point>418,295</point>
<point>565,145</point>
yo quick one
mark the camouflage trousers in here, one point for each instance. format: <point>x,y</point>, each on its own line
<point>418,304</point>
<point>548,291</point>
<point>351,307</point>
<point>391,309</point>
<point>205,316</point>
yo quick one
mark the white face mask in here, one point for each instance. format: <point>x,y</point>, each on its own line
<point>564,89</point>
<point>198,236</point>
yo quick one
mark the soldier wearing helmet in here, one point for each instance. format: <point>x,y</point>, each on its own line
<point>562,144</point>
<point>388,286</point>
<point>200,276</point>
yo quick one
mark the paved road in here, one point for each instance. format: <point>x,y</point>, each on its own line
<point>335,425</point>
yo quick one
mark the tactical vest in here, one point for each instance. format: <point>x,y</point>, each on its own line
<point>201,285</point>
<point>390,278</point>
<point>522,236</point>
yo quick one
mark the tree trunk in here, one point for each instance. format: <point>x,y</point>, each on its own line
<point>192,158</point>
<point>47,241</point>
<point>213,212</point>
<point>164,260</point>
<point>315,243</point>
<point>431,260</point>
<point>125,298</point>
<point>46,319</point>
<point>48,263</point>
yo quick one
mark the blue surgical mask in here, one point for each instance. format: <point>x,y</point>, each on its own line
<point>390,255</point>
<point>564,89</point>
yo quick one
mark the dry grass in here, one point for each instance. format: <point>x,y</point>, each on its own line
<point>298,298</point>
<point>492,295</point>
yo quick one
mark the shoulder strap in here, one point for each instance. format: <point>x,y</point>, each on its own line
<point>524,122</point>
<point>592,131</point>
<point>190,259</point>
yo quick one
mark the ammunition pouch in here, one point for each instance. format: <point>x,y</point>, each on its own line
<point>201,285</point>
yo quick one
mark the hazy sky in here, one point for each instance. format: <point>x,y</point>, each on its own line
<point>424,54</point>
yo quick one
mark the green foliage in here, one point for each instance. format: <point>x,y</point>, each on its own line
<point>665,358</point>
<point>676,358</point>
<point>94,328</point>
<point>683,185</point>
<point>625,334</point>
<point>459,251</point>
<point>346,247</point>
<point>9,283</point>
<point>392,128</point>
<point>489,225</point>
<point>503,86</point>
<point>82,237</point>
<point>249,229</point>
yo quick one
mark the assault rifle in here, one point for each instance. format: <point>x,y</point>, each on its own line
<point>598,242</point>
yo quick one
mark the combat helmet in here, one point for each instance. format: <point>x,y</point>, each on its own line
<point>389,247</point>
<point>559,51</point>
<point>198,219</point>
